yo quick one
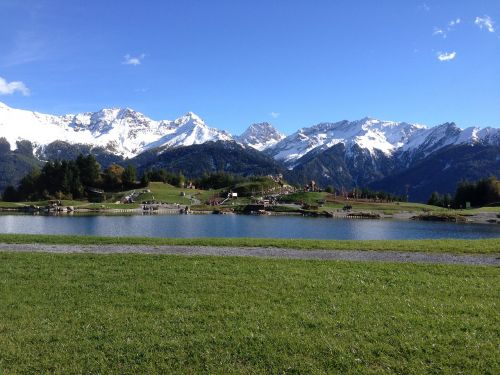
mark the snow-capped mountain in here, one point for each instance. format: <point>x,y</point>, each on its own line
<point>189,130</point>
<point>260,136</point>
<point>128,133</point>
<point>345,154</point>
<point>124,132</point>
<point>377,136</point>
<point>370,134</point>
<point>433,139</point>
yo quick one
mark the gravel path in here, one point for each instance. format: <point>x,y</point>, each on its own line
<point>356,255</point>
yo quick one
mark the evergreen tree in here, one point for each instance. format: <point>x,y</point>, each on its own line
<point>435,199</point>
<point>24,147</point>
<point>4,146</point>
<point>181,180</point>
<point>145,180</point>
<point>90,170</point>
<point>129,176</point>
<point>29,186</point>
<point>10,194</point>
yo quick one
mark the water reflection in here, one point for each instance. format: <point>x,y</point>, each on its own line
<point>241,226</point>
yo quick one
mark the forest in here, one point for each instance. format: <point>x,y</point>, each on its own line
<point>483,192</point>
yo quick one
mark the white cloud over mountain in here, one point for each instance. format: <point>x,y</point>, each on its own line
<point>9,88</point>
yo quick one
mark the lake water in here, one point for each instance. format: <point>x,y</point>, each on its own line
<point>242,226</point>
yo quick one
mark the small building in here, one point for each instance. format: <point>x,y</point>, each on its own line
<point>311,187</point>
<point>215,201</point>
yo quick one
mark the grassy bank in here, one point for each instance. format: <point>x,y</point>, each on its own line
<point>168,314</point>
<point>483,246</point>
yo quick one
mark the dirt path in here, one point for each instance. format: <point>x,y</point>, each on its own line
<point>355,255</point>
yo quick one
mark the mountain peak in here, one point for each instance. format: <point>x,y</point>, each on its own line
<point>368,119</point>
<point>260,136</point>
<point>193,116</point>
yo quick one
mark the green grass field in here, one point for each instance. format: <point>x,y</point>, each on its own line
<point>171,194</point>
<point>483,246</point>
<point>41,203</point>
<point>309,198</point>
<point>117,314</point>
<point>389,208</point>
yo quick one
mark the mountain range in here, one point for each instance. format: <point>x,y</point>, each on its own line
<point>366,152</point>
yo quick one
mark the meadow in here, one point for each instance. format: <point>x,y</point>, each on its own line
<point>170,314</point>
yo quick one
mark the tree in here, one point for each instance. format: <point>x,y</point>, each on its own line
<point>4,146</point>
<point>10,194</point>
<point>90,170</point>
<point>480,193</point>
<point>29,185</point>
<point>435,199</point>
<point>129,176</point>
<point>113,177</point>
<point>447,200</point>
<point>25,147</point>
<point>145,179</point>
<point>181,181</point>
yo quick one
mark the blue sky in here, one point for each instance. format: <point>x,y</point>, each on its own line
<point>292,63</point>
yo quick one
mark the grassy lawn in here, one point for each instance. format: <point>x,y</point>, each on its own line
<point>167,314</point>
<point>10,204</point>
<point>483,246</point>
<point>309,198</point>
<point>171,194</point>
<point>64,202</point>
<point>382,206</point>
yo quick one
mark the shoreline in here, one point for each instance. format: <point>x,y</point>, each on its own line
<point>464,218</point>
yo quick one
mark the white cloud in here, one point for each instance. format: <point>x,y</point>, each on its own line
<point>485,23</point>
<point>446,56</point>
<point>131,60</point>
<point>274,114</point>
<point>444,32</point>
<point>439,32</point>
<point>8,88</point>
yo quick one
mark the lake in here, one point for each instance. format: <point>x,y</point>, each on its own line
<point>243,226</point>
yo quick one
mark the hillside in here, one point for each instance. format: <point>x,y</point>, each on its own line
<point>442,171</point>
<point>210,157</point>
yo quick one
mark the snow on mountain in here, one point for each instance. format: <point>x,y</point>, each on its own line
<point>127,133</point>
<point>371,134</point>
<point>260,136</point>
<point>121,131</point>
<point>380,136</point>
<point>190,130</point>
<point>433,139</point>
